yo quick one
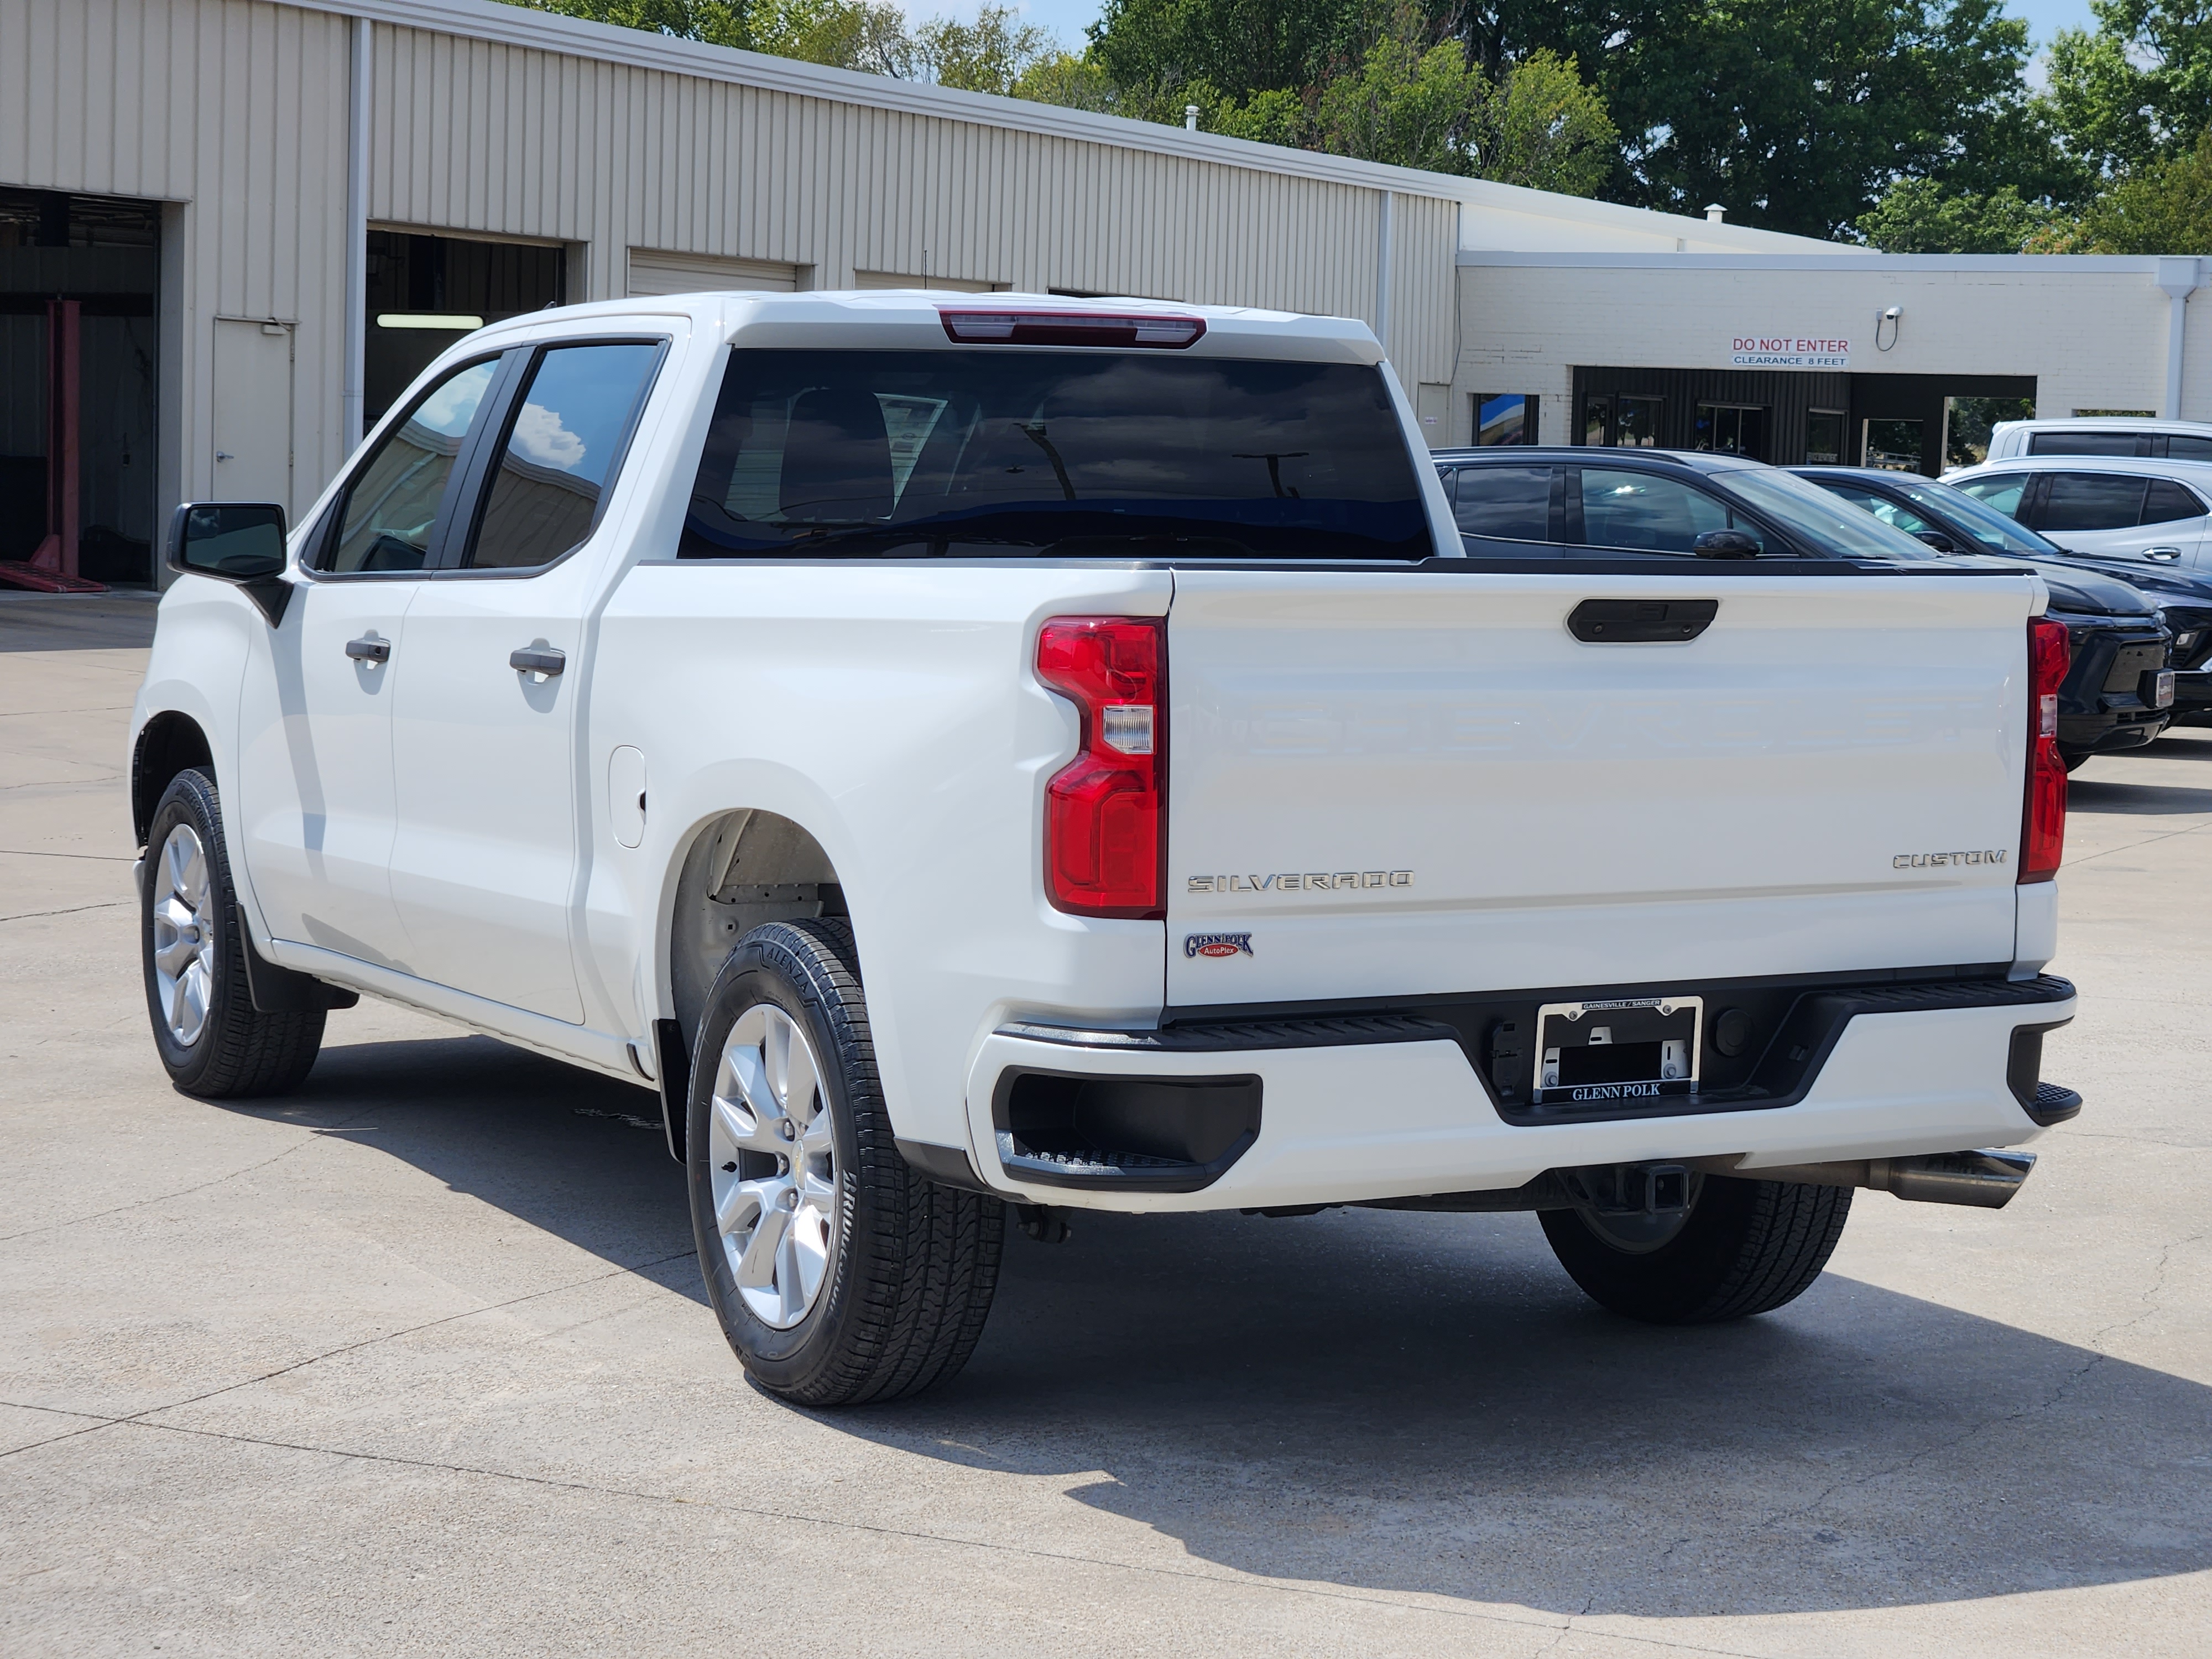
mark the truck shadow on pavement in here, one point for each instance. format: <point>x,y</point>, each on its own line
<point>1425,1403</point>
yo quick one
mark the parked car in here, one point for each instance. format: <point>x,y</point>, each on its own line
<point>2122,435</point>
<point>1577,502</point>
<point>967,751</point>
<point>2153,511</point>
<point>2121,691</point>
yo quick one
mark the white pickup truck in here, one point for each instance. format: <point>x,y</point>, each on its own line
<point>967,751</point>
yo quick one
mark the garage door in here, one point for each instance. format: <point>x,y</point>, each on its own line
<point>652,272</point>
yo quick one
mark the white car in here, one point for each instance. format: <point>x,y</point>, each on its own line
<point>2151,512</point>
<point>2126,436</point>
<point>973,752</point>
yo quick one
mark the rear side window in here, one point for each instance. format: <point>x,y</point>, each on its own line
<point>2087,443</point>
<point>1513,502</point>
<point>562,443</point>
<point>2181,447</point>
<point>2092,501</point>
<point>1058,454</point>
<point>2168,501</point>
<point>392,506</point>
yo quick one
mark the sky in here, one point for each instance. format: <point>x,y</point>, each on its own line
<point>1067,18</point>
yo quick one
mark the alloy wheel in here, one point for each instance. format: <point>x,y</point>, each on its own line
<point>184,935</point>
<point>773,1175</point>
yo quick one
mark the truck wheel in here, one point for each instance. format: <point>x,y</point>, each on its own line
<point>1746,1247</point>
<point>839,1273</point>
<point>213,1041</point>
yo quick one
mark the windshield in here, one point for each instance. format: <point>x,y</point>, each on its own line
<point>1074,454</point>
<point>1979,519</point>
<point>1825,526</point>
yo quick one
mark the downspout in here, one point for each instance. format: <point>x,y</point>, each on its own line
<point>353,385</point>
<point>2177,279</point>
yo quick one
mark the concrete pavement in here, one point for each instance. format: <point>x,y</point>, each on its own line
<point>416,1361</point>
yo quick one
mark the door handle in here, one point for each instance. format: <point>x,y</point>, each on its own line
<point>546,659</point>
<point>2163,555</point>
<point>369,650</point>
<point>1640,622</point>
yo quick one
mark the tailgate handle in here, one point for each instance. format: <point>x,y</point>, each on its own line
<point>1641,622</point>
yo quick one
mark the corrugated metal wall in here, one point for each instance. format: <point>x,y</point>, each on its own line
<point>235,111</point>
<point>476,135</point>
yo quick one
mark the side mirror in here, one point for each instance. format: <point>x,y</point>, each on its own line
<point>241,542</point>
<point>1726,544</point>
<point>1936,539</point>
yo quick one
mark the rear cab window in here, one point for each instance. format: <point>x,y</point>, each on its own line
<point>1025,453</point>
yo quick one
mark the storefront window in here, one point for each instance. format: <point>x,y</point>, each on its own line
<point>1597,421</point>
<point>1640,424</point>
<point>1824,437</point>
<point>1504,418</point>
<point>1894,445</point>
<point>1731,429</point>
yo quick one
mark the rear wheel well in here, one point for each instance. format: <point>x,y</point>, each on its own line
<point>743,868</point>
<point>170,743</point>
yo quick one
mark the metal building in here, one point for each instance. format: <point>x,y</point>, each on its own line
<point>245,222</point>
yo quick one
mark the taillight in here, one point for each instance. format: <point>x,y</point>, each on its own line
<point>1104,848</point>
<point>2043,820</point>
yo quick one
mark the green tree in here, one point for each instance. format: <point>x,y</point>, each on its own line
<point>1919,215</point>
<point>992,54</point>
<point>2165,206</point>
<point>2138,86</point>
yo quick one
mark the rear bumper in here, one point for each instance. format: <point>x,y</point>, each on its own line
<point>1346,1117</point>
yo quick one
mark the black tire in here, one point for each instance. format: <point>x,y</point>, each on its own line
<point>238,1051</point>
<point>1748,1248</point>
<point>902,1303</point>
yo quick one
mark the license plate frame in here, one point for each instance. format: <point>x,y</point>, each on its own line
<point>1569,1073</point>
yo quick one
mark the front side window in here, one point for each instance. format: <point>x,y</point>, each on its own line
<point>392,506</point>
<point>2001,492</point>
<point>1894,514</point>
<point>562,443</point>
<point>2092,501</point>
<point>1645,512</point>
<point>1072,454</point>
<point>1513,502</point>
<point>1982,519</point>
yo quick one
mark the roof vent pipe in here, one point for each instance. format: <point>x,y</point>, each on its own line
<point>1715,213</point>
<point>1190,118</point>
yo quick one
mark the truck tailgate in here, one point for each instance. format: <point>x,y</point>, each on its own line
<point>1393,783</point>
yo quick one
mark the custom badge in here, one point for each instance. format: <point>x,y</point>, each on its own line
<point>1216,944</point>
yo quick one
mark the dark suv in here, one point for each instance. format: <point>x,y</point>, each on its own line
<point>1953,521</point>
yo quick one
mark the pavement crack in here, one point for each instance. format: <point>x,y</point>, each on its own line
<point>105,904</point>
<point>101,858</point>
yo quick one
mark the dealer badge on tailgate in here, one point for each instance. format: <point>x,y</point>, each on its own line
<point>1634,1048</point>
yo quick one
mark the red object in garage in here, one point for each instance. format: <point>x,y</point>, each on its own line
<point>53,569</point>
